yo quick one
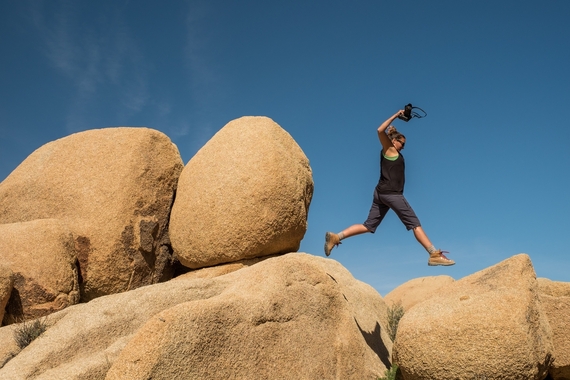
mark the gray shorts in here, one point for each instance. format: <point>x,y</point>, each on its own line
<point>383,203</point>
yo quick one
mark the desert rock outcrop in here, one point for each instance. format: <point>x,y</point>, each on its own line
<point>114,188</point>
<point>8,346</point>
<point>83,340</point>
<point>6,284</point>
<point>245,194</point>
<point>41,255</point>
<point>294,316</point>
<point>288,316</point>
<point>487,325</point>
<point>553,288</point>
<point>417,290</point>
<point>555,298</point>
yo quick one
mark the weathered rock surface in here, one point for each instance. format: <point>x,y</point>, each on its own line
<point>85,339</point>
<point>553,288</point>
<point>41,255</point>
<point>8,346</point>
<point>290,316</point>
<point>295,316</point>
<point>487,325</point>
<point>6,284</point>
<point>114,188</point>
<point>555,299</point>
<point>245,194</point>
<point>417,290</point>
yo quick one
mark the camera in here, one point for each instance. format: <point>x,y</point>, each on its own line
<point>407,113</point>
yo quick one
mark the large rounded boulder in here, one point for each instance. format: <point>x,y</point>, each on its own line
<point>417,290</point>
<point>294,316</point>
<point>114,188</point>
<point>489,325</point>
<point>555,298</point>
<point>42,259</point>
<point>245,194</point>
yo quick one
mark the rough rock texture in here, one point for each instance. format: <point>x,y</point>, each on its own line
<point>245,194</point>
<point>555,298</point>
<point>6,284</point>
<point>557,310</point>
<point>114,187</point>
<point>487,325</point>
<point>417,290</point>
<point>290,316</point>
<point>553,288</point>
<point>294,316</point>
<point>41,255</point>
<point>8,346</point>
<point>83,340</point>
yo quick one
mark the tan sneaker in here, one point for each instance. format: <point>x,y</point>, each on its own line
<point>331,241</point>
<point>438,258</point>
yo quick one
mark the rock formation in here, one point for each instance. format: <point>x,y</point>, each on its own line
<point>41,255</point>
<point>8,346</point>
<point>113,188</point>
<point>555,299</point>
<point>490,325</point>
<point>553,288</point>
<point>245,194</point>
<point>90,214</point>
<point>6,284</point>
<point>290,316</point>
<point>417,290</point>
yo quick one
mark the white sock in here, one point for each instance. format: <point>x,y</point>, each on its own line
<point>431,249</point>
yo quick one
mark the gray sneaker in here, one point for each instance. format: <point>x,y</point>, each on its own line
<point>331,241</point>
<point>438,258</point>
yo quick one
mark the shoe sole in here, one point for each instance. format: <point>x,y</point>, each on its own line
<point>327,238</point>
<point>442,264</point>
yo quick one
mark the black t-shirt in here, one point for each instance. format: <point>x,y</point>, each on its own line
<point>392,175</point>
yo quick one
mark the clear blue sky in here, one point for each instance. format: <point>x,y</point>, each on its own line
<point>487,169</point>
